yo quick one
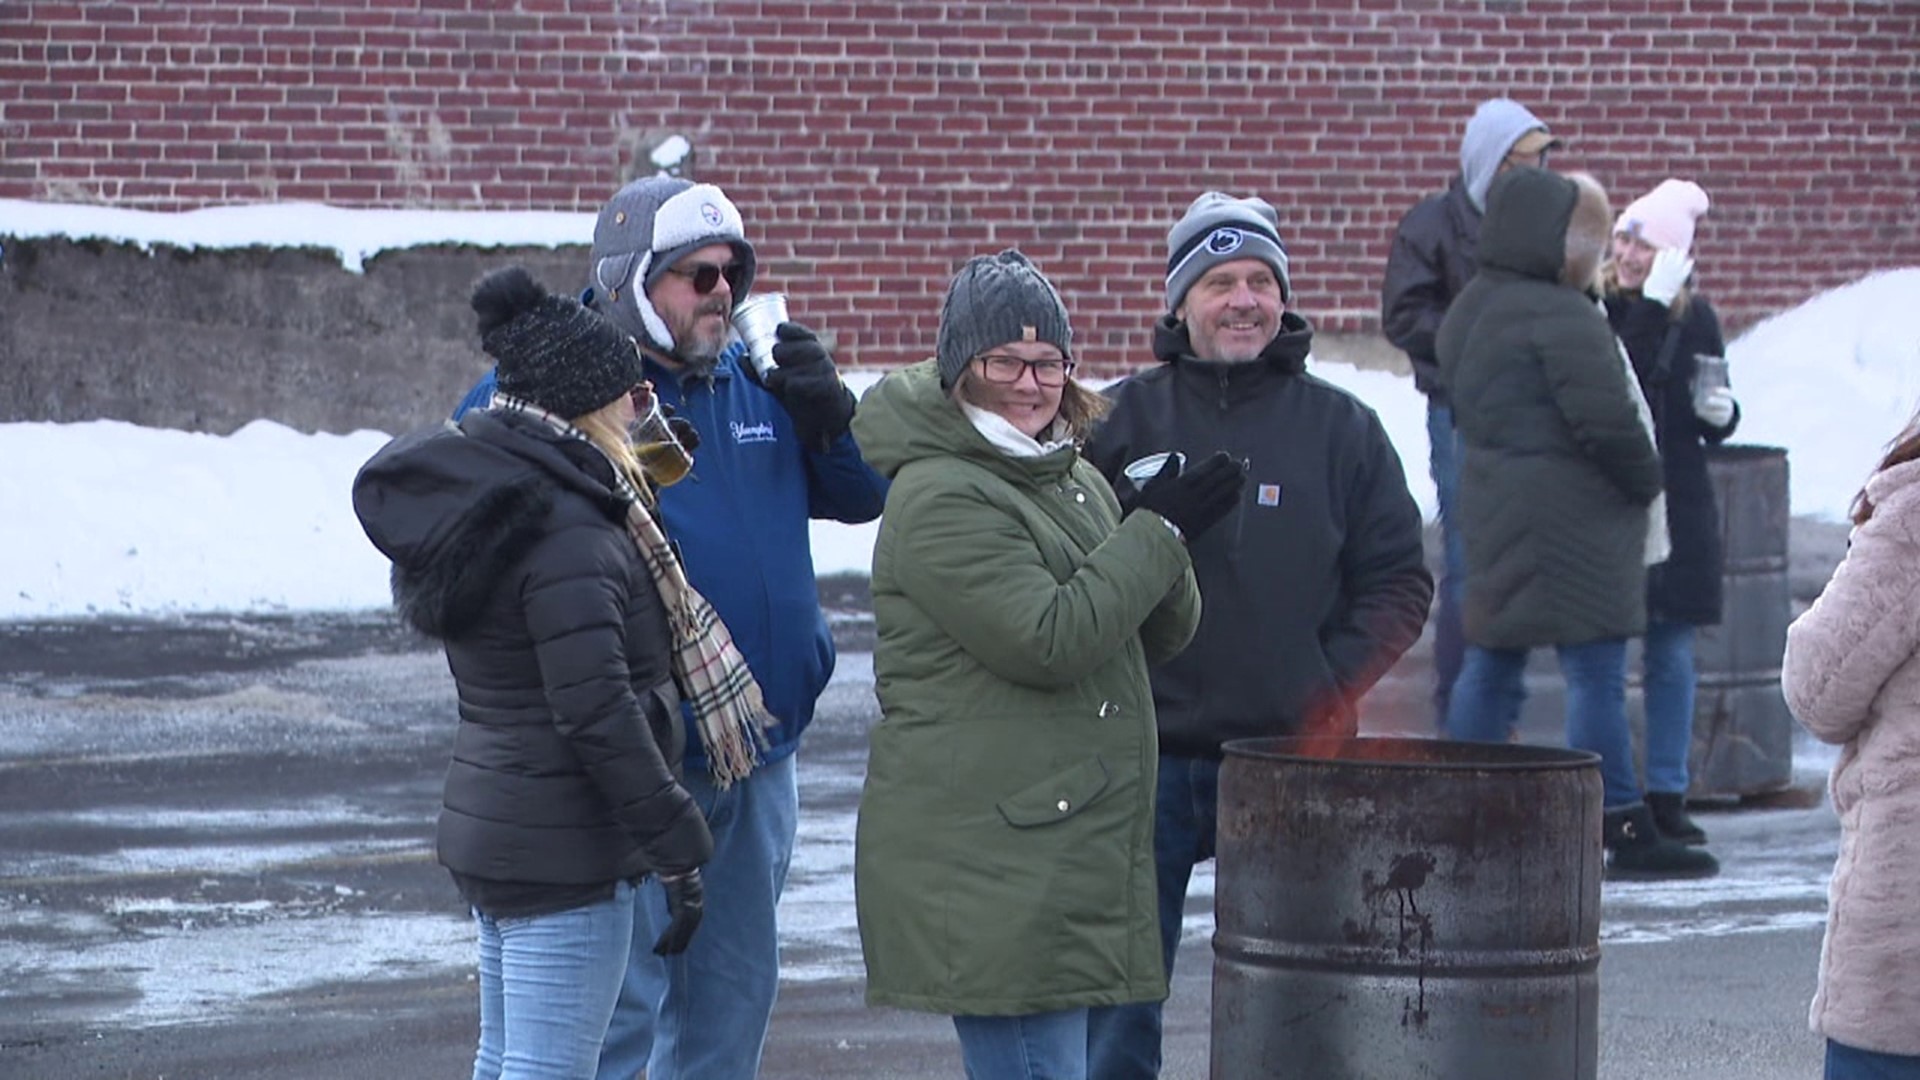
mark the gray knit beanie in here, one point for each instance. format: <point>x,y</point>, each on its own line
<point>643,230</point>
<point>1219,228</point>
<point>550,351</point>
<point>996,300</point>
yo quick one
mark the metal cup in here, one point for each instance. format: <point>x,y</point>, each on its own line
<point>661,454</point>
<point>755,321</point>
<point>1709,374</point>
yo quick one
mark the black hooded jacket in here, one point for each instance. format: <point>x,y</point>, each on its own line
<point>1686,588</point>
<point>509,544</point>
<point>1316,584</point>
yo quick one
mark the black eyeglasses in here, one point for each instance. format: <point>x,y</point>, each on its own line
<point>1000,368</point>
<point>705,277</point>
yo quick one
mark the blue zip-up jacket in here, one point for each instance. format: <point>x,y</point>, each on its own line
<point>740,522</point>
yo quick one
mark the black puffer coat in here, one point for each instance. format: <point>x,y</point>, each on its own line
<point>1558,469</point>
<point>1686,588</point>
<point>509,544</point>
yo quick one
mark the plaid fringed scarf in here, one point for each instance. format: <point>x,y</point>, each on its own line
<point>712,674</point>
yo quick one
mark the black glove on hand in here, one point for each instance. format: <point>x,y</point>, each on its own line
<point>686,902</point>
<point>1195,500</point>
<point>808,387</point>
<point>682,428</point>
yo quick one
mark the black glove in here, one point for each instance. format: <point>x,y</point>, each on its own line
<point>682,428</point>
<point>1195,500</point>
<point>807,386</point>
<point>686,901</point>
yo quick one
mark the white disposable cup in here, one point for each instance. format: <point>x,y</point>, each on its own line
<point>755,320</point>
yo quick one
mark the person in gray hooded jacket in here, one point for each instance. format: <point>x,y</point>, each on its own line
<point>1432,259</point>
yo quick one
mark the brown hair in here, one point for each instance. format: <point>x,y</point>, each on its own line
<point>1589,228</point>
<point>1079,406</point>
<point>1904,448</point>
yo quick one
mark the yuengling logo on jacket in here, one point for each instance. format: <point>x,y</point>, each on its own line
<point>753,433</point>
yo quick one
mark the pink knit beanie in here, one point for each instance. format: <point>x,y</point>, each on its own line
<point>1664,217</point>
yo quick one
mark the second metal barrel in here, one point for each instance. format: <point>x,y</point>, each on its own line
<point>1406,908</point>
<point>1742,731</point>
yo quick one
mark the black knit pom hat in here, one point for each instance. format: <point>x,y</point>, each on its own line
<point>550,351</point>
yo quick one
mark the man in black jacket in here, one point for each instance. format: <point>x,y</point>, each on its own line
<point>1431,261</point>
<point>1311,589</point>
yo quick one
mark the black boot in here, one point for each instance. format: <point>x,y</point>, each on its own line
<point>1637,852</point>
<point>1670,817</point>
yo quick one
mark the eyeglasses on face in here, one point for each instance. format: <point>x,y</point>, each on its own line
<point>1001,368</point>
<point>705,277</point>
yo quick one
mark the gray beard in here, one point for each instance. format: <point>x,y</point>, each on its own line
<point>701,363</point>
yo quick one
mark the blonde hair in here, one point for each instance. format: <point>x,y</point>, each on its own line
<point>1610,285</point>
<point>604,429</point>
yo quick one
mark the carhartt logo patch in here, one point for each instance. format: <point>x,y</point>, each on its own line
<point>1268,495</point>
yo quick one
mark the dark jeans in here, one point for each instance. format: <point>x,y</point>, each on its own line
<point>1123,1041</point>
<point>1449,637</point>
<point>1851,1063</point>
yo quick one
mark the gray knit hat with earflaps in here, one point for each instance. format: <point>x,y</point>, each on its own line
<point>996,300</point>
<point>645,228</point>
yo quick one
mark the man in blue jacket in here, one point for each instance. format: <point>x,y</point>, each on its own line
<point>670,262</point>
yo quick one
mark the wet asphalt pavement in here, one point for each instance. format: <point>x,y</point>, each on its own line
<point>215,862</point>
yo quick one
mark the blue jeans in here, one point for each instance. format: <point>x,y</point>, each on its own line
<point>704,1013</point>
<point>1492,687</point>
<point>1668,679</point>
<point>1851,1063</point>
<point>547,988</point>
<point>1037,1046</point>
<point>1123,1041</point>
<point>1449,638</point>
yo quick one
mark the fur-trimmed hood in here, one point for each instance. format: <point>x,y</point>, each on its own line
<point>454,507</point>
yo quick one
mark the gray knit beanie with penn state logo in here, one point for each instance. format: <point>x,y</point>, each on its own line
<point>1219,228</point>
<point>997,300</point>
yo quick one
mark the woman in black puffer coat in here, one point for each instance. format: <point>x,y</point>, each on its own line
<point>1668,330</point>
<point>512,543</point>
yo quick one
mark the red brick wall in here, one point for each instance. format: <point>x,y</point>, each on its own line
<point>873,146</point>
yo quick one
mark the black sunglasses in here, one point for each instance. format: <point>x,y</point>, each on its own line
<point>705,277</point>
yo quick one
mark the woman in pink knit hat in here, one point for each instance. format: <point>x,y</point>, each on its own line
<point>1673,338</point>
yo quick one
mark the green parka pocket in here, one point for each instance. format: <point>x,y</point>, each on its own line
<point>1058,797</point>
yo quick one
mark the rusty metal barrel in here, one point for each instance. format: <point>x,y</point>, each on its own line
<point>1742,731</point>
<point>1406,908</point>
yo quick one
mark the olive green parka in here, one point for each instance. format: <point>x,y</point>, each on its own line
<point>1004,854</point>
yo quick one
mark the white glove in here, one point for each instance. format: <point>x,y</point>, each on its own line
<point>1670,270</point>
<point>1714,406</point>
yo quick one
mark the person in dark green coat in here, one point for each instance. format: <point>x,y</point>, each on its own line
<point>1559,474</point>
<point>1004,854</point>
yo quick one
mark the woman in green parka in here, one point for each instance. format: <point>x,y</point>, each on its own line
<point>1004,858</point>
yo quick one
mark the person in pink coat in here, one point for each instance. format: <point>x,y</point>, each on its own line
<point>1852,678</point>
